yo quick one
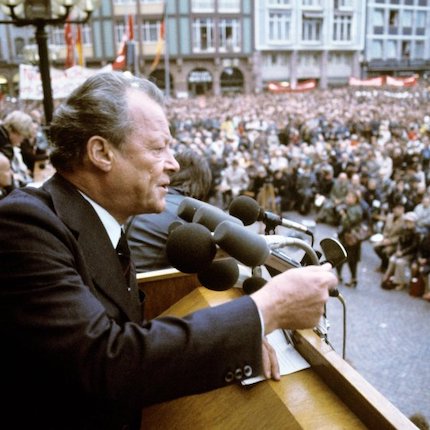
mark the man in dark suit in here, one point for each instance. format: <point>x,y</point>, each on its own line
<point>76,351</point>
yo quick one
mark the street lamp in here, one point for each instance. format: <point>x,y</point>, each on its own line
<point>41,13</point>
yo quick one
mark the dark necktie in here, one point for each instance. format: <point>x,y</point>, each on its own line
<point>123,252</point>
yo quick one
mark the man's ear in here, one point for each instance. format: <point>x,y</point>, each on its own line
<point>99,152</point>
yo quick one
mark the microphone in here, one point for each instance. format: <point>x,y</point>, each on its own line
<point>174,225</point>
<point>220,275</point>
<point>211,216</point>
<point>248,211</point>
<point>188,207</point>
<point>190,248</point>
<point>242,244</point>
<point>252,284</point>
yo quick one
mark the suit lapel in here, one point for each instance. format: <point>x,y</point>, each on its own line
<point>99,254</point>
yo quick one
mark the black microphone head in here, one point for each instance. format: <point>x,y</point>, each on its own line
<point>190,248</point>
<point>243,244</point>
<point>246,209</point>
<point>252,284</point>
<point>188,207</point>
<point>220,275</point>
<point>174,225</point>
<point>211,216</point>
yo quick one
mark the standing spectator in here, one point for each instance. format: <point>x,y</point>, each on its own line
<point>351,217</point>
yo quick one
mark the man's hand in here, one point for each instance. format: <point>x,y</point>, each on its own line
<point>270,362</point>
<point>295,298</point>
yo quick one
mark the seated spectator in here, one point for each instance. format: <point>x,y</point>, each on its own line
<point>16,127</point>
<point>422,211</point>
<point>305,185</point>
<point>234,182</point>
<point>328,213</point>
<point>399,264</point>
<point>147,233</point>
<point>5,175</point>
<point>390,235</point>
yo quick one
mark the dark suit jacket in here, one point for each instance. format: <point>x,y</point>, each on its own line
<point>75,351</point>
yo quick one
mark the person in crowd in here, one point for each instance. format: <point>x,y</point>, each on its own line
<point>5,176</point>
<point>16,127</point>
<point>393,226</point>
<point>399,264</point>
<point>351,218</point>
<point>147,233</point>
<point>422,211</point>
<point>305,186</point>
<point>328,212</point>
<point>234,182</point>
<point>71,312</point>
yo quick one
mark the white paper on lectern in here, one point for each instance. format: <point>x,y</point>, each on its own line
<point>289,359</point>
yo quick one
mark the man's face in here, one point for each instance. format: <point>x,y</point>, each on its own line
<point>144,162</point>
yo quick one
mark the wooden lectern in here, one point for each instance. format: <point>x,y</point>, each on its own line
<point>328,395</point>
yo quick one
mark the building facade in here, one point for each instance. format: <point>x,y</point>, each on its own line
<point>309,39</point>
<point>192,47</point>
<point>397,37</point>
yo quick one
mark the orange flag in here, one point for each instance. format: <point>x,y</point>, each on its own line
<point>159,49</point>
<point>79,48</point>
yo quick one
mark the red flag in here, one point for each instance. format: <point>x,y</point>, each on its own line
<point>120,60</point>
<point>70,52</point>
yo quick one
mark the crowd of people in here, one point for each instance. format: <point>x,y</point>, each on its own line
<point>302,152</point>
<point>307,152</point>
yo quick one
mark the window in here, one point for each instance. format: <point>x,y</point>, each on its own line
<point>391,49</point>
<point>406,50</point>
<point>229,39</point>
<point>279,2</point>
<point>19,46</point>
<point>342,28</point>
<point>376,49</point>
<point>311,29</point>
<point>421,19</point>
<point>229,5</point>
<point>407,18</point>
<point>120,31</point>
<point>393,17</point>
<point>340,4</point>
<point>128,2</point>
<point>203,35</point>
<point>311,3</point>
<point>57,36</point>
<point>419,50</point>
<point>203,5</point>
<point>151,30</point>
<point>86,34</point>
<point>279,26</point>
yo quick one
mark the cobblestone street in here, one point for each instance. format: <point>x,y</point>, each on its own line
<point>387,338</point>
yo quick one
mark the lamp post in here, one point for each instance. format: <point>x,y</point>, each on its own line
<point>41,13</point>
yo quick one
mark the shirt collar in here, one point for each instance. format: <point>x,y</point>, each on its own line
<point>112,226</point>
